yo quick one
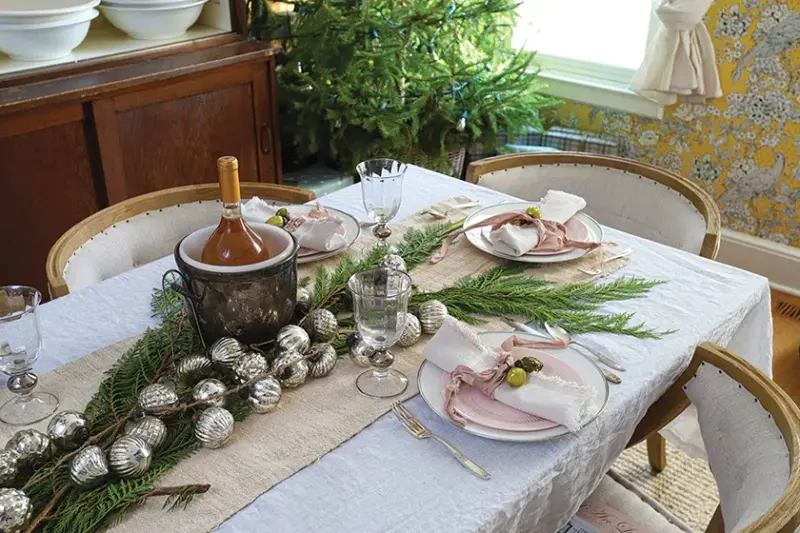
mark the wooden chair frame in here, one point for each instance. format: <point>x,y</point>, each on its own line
<point>656,447</point>
<point>692,192</point>
<point>78,234</point>
<point>783,516</point>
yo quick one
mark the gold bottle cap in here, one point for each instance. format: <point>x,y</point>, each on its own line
<point>228,170</point>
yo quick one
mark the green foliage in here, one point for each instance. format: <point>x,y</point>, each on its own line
<point>409,80</point>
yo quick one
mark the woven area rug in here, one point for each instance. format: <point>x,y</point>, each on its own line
<point>686,486</point>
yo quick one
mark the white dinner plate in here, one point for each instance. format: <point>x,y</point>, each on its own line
<point>478,239</point>
<point>429,380</point>
<point>351,232</point>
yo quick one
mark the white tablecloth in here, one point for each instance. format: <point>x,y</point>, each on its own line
<point>384,480</point>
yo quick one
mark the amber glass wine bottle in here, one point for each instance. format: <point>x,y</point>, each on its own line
<point>233,243</point>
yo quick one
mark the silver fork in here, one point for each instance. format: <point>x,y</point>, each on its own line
<point>415,427</point>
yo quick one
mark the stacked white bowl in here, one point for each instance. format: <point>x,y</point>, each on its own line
<point>152,19</point>
<point>42,30</point>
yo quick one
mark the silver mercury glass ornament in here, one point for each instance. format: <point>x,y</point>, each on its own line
<point>211,392</point>
<point>431,316</point>
<point>193,367</point>
<point>358,350</point>
<point>265,394</point>
<point>321,325</point>
<point>321,360</point>
<point>249,366</point>
<point>291,368</point>
<point>412,331</point>
<point>129,456</point>
<point>225,351</point>
<point>68,429</point>
<point>214,427</point>
<point>89,467</point>
<point>150,429</point>
<point>303,296</point>
<point>293,337</point>
<point>15,510</point>
<point>393,261</point>
<point>157,398</point>
<point>9,467</point>
<point>32,446</point>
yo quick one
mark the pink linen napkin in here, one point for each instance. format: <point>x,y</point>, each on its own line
<point>318,230</point>
<point>455,348</point>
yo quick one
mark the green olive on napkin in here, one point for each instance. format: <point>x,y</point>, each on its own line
<point>516,377</point>
<point>534,212</point>
<point>276,220</point>
<point>529,364</point>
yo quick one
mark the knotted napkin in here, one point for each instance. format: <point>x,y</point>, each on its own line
<point>457,349</point>
<point>318,230</point>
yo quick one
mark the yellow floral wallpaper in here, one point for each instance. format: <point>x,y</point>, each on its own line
<point>744,148</point>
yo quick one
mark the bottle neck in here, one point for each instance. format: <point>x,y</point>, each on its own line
<point>232,210</point>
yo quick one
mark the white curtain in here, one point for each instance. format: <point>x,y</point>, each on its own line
<point>680,58</point>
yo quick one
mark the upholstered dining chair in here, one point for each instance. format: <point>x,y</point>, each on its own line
<point>627,195</point>
<point>142,229</point>
<point>751,430</point>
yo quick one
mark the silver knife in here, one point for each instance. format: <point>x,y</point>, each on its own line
<point>519,326</point>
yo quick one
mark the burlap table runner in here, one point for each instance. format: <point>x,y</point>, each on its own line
<point>310,421</point>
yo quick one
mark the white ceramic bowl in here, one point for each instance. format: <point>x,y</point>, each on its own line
<point>146,3</point>
<point>46,41</point>
<point>154,23</point>
<point>43,11</point>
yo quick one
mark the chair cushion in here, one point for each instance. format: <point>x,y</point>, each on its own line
<point>630,506</point>
<point>616,198</point>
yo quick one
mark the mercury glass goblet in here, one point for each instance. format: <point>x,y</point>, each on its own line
<point>382,191</point>
<point>380,302</point>
<point>20,344</point>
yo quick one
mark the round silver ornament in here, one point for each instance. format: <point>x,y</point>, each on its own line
<point>293,337</point>
<point>193,367</point>
<point>286,359</point>
<point>157,398</point>
<point>15,510</point>
<point>291,368</point>
<point>394,262</point>
<point>321,360</point>
<point>32,446</point>
<point>225,351</point>
<point>210,391</point>
<point>9,467</point>
<point>214,427</point>
<point>303,296</point>
<point>321,325</point>
<point>249,366</point>
<point>431,316</point>
<point>265,394</point>
<point>412,331</point>
<point>129,456</point>
<point>89,467</point>
<point>68,429</point>
<point>148,428</point>
<point>358,350</point>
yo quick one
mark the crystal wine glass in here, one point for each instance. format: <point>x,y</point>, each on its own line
<point>380,302</point>
<point>382,191</point>
<point>20,344</point>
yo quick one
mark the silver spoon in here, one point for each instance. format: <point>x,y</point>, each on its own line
<point>557,332</point>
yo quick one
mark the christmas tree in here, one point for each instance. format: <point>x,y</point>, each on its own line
<point>406,79</point>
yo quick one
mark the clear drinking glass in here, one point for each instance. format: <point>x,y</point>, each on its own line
<point>20,344</point>
<point>380,302</point>
<point>382,191</point>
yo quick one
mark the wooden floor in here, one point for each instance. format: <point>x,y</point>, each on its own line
<point>786,343</point>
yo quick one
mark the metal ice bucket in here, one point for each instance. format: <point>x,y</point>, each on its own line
<point>250,302</point>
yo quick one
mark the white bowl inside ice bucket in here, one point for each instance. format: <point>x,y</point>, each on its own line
<point>278,241</point>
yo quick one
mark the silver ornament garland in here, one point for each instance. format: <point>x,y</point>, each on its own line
<point>9,467</point>
<point>293,337</point>
<point>249,366</point>
<point>321,360</point>
<point>226,351</point>
<point>358,350</point>
<point>15,510</point>
<point>32,446</point>
<point>303,296</point>
<point>89,468</point>
<point>431,316</point>
<point>157,398</point>
<point>129,456</point>
<point>211,392</point>
<point>265,394</point>
<point>193,367</point>
<point>321,325</point>
<point>412,331</point>
<point>68,429</point>
<point>394,262</point>
<point>213,427</point>
<point>150,429</point>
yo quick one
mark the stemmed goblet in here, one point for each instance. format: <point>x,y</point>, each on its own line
<point>20,344</point>
<point>380,302</point>
<point>382,191</point>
